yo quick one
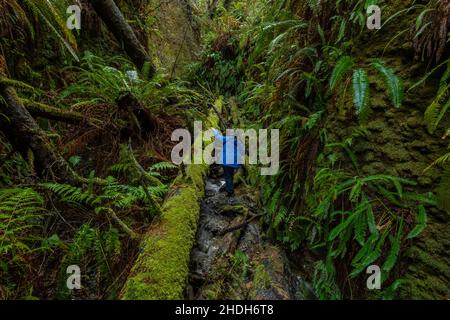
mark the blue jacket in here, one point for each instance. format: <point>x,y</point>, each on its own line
<point>229,146</point>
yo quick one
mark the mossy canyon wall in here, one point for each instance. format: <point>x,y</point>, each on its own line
<point>397,143</point>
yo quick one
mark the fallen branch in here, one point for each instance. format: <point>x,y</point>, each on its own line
<point>239,226</point>
<point>219,115</point>
<point>122,224</point>
<point>38,109</point>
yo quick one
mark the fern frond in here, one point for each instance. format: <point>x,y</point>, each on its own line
<point>71,194</point>
<point>437,109</point>
<point>421,223</point>
<point>393,83</point>
<point>161,166</point>
<point>342,67</point>
<point>361,93</point>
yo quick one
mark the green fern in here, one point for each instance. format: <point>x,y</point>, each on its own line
<point>421,223</point>
<point>437,109</point>
<point>361,93</point>
<point>344,65</point>
<point>53,15</point>
<point>394,252</point>
<point>161,166</point>
<point>21,217</point>
<point>72,195</point>
<point>394,84</point>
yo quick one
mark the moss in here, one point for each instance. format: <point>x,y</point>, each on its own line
<point>261,278</point>
<point>161,270</point>
<point>395,152</point>
<point>234,209</point>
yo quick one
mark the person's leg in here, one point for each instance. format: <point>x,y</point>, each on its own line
<point>229,175</point>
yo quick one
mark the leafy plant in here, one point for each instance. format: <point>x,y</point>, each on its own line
<point>360,82</point>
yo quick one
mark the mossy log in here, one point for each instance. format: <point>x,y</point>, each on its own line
<point>162,268</point>
<point>25,135</point>
<point>37,109</point>
<point>118,25</point>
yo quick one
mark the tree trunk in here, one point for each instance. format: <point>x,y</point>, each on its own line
<point>24,134</point>
<point>116,23</point>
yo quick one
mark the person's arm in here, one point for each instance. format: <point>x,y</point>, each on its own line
<point>218,136</point>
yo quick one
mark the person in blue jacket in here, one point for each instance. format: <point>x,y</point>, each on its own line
<point>230,151</point>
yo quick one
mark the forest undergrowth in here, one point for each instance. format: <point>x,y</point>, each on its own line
<point>289,65</point>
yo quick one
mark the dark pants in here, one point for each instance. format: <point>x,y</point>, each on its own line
<point>229,175</point>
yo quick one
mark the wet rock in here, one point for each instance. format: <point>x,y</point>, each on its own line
<point>272,279</point>
<point>241,263</point>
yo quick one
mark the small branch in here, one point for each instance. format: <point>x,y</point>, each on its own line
<point>222,120</point>
<point>145,179</point>
<point>125,228</point>
<point>239,226</point>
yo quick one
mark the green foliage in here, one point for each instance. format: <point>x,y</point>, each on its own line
<point>439,106</point>
<point>21,211</point>
<point>393,83</point>
<point>421,223</point>
<point>113,195</point>
<point>51,13</point>
<point>360,82</point>
<point>343,66</point>
<point>324,283</point>
<point>360,91</point>
<point>365,217</point>
<point>72,195</point>
<point>94,251</point>
<point>98,81</point>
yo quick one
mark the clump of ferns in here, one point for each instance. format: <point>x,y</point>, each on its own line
<point>143,188</point>
<point>103,80</point>
<point>22,214</point>
<point>13,168</point>
<point>359,84</point>
<point>434,115</point>
<point>364,220</point>
<point>96,251</point>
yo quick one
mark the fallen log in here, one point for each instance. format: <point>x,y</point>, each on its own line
<point>162,268</point>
